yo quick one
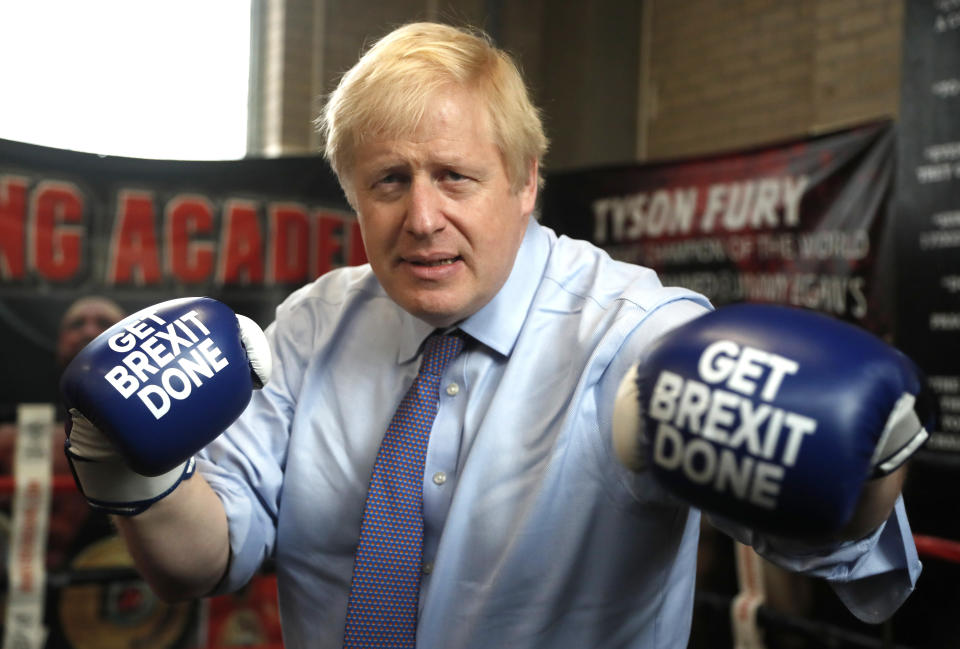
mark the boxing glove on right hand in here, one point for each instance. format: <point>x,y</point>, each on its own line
<point>152,390</point>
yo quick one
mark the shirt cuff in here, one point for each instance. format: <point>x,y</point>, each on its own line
<point>872,576</point>
<point>246,551</point>
<point>882,579</point>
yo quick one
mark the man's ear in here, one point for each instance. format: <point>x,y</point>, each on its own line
<point>528,193</point>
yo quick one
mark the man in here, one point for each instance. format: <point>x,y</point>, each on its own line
<point>82,321</point>
<point>533,534</point>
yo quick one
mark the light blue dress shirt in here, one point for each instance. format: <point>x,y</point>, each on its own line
<point>535,536</point>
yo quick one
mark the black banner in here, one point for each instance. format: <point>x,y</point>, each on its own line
<point>928,246</point>
<point>804,222</point>
<point>72,224</point>
<point>928,207</point>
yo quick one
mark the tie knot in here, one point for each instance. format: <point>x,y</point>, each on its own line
<point>439,351</point>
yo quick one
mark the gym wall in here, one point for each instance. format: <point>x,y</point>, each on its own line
<point>618,80</point>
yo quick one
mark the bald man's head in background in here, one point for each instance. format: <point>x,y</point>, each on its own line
<point>83,321</point>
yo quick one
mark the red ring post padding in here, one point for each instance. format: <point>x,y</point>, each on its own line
<point>937,548</point>
<point>58,483</point>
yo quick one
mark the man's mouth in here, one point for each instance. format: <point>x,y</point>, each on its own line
<point>434,262</point>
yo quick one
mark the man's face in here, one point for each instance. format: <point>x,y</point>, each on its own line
<point>439,221</point>
<point>83,322</point>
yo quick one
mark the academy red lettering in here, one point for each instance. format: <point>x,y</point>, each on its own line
<point>43,230</point>
<point>188,260</point>
<point>13,210</point>
<point>290,243</point>
<point>241,245</point>
<point>133,245</point>
<point>56,215</point>
<point>329,243</point>
<point>358,254</point>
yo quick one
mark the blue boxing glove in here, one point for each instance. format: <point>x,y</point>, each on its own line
<point>151,391</point>
<point>771,416</point>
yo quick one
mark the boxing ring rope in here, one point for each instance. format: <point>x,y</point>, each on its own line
<point>748,612</point>
<point>770,619</point>
<point>59,483</point>
<point>749,615</point>
<point>930,547</point>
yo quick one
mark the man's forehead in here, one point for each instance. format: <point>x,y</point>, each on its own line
<point>92,308</point>
<point>385,153</point>
<point>450,111</point>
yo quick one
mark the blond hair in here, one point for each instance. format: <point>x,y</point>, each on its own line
<point>386,94</point>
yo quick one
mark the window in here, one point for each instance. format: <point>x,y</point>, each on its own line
<point>144,79</point>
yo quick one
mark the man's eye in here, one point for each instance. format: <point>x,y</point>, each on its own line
<point>390,179</point>
<point>454,176</point>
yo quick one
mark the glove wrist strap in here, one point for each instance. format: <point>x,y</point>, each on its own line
<point>902,435</point>
<point>111,486</point>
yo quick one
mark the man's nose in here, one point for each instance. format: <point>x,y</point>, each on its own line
<point>424,208</point>
<point>91,329</point>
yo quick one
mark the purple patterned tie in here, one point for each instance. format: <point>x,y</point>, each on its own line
<point>382,609</point>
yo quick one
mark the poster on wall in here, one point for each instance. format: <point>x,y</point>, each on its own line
<point>72,224</point>
<point>928,237</point>
<point>804,223</point>
<point>86,239</point>
<point>814,223</point>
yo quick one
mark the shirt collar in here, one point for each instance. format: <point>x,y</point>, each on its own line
<point>497,325</point>
<point>413,331</point>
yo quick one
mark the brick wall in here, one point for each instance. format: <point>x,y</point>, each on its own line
<point>725,74</point>
<point>714,75</point>
<point>308,44</point>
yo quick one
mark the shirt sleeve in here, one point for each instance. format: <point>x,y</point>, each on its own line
<point>629,488</point>
<point>244,466</point>
<point>872,576</point>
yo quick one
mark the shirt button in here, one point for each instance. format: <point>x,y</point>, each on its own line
<point>439,478</point>
<point>453,389</point>
<point>427,568</point>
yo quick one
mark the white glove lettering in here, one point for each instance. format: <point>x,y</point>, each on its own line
<point>729,419</point>
<point>178,342</point>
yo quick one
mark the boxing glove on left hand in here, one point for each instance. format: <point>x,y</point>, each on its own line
<point>152,390</point>
<point>771,416</point>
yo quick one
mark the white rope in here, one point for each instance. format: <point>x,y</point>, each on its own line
<point>26,561</point>
<point>743,609</point>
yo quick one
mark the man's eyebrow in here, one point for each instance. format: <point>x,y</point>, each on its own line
<point>385,163</point>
